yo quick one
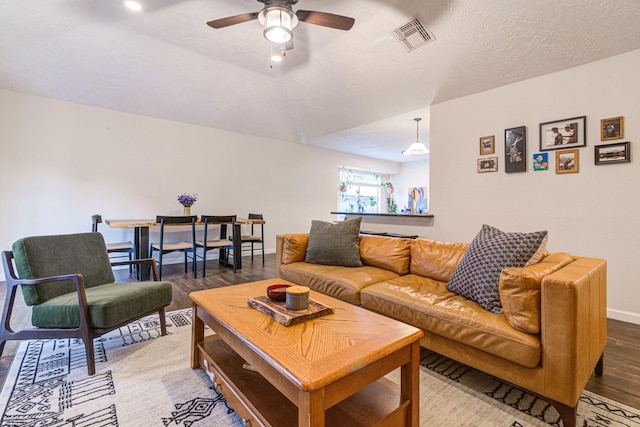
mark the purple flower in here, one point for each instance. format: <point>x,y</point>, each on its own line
<point>186,199</point>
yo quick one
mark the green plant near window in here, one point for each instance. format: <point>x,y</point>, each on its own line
<point>392,207</point>
<point>372,202</point>
<point>344,185</point>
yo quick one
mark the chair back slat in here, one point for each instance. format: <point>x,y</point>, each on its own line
<point>161,219</point>
<point>45,256</point>
<point>219,220</point>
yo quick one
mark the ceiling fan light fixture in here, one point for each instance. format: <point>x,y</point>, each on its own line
<point>278,23</point>
<point>417,148</point>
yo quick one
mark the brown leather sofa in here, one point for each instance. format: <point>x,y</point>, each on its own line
<point>549,339</point>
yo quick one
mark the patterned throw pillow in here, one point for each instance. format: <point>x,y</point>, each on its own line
<point>335,244</point>
<point>477,276</point>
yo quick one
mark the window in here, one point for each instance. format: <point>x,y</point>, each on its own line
<point>362,191</point>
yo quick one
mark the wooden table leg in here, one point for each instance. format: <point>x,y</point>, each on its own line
<point>197,335</point>
<point>410,384</point>
<point>237,247</point>
<point>141,245</point>
<point>311,409</point>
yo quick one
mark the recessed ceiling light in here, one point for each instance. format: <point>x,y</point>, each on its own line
<point>133,5</point>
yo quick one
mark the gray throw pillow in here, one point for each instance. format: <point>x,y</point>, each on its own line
<point>334,244</point>
<point>477,276</point>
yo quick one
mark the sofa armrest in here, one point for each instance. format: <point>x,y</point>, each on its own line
<point>574,326</point>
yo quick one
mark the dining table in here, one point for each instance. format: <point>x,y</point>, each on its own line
<point>141,238</point>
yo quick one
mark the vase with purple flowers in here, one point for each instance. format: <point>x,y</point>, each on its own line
<point>187,200</point>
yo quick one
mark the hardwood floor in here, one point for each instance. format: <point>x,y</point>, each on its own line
<point>620,382</point>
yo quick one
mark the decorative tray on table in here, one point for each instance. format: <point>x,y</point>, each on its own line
<point>278,310</point>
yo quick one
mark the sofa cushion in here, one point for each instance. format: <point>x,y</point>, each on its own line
<point>520,291</point>
<point>339,282</point>
<point>294,248</point>
<point>477,275</point>
<point>436,260</point>
<point>334,244</point>
<point>390,253</point>
<point>427,304</point>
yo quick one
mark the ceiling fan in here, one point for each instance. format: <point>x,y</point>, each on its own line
<point>279,19</point>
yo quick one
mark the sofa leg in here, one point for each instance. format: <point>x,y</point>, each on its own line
<point>600,366</point>
<point>568,414</point>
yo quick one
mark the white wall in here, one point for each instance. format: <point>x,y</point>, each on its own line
<point>63,162</point>
<point>593,213</point>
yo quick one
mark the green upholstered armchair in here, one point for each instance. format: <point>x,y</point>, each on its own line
<point>68,281</point>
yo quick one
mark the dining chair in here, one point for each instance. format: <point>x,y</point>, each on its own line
<point>187,248</point>
<point>255,238</point>
<point>224,245</point>
<point>127,249</point>
<point>68,282</point>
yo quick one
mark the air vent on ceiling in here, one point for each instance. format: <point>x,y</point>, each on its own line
<point>413,34</point>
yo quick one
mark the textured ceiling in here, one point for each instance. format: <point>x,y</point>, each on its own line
<point>355,91</point>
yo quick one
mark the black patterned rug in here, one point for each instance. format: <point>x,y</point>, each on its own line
<point>144,379</point>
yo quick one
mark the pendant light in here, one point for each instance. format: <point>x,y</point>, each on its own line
<point>417,148</point>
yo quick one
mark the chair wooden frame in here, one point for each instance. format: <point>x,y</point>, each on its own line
<point>186,247</point>
<point>225,245</point>
<point>254,238</point>
<point>84,332</point>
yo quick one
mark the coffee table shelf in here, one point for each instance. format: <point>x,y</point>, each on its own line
<point>259,403</point>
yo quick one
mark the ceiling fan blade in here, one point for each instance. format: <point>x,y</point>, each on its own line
<point>324,19</point>
<point>232,20</point>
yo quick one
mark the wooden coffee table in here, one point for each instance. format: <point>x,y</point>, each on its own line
<point>328,370</point>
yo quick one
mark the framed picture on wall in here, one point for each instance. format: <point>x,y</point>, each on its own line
<point>487,145</point>
<point>488,164</point>
<point>612,128</point>
<point>541,161</point>
<point>562,134</point>
<point>418,199</point>
<point>515,149</point>
<point>612,153</point>
<point>567,161</point>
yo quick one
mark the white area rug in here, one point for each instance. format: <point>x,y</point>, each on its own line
<point>144,379</point>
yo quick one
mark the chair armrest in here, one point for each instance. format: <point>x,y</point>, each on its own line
<point>77,280</point>
<point>13,282</point>
<point>150,261</point>
<point>574,326</point>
